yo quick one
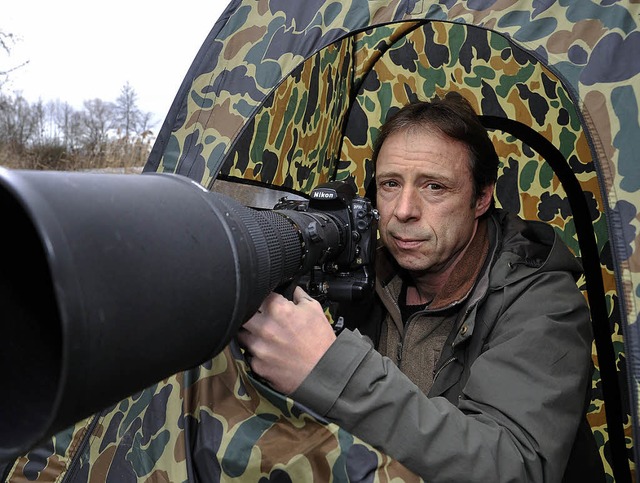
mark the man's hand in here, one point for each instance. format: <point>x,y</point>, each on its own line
<point>285,340</point>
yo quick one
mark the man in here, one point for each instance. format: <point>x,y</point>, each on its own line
<point>483,362</point>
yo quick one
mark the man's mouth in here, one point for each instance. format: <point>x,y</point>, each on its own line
<point>407,243</point>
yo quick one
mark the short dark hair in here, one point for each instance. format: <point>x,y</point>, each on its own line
<point>454,117</point>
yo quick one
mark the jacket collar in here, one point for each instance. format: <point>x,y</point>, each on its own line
<point>529,247</point>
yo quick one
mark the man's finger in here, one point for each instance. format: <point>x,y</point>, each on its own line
<point>299,295</point>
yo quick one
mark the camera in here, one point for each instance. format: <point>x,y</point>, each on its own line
<point>344,272</point>
<point>119,262</point>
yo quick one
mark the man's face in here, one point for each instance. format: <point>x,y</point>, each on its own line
<point>425,200</point>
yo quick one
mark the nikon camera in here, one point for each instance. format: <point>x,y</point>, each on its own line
<point>345,272</point>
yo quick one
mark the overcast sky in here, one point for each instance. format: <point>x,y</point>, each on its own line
<point>79,50</point>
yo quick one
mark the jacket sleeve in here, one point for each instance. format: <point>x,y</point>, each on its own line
<point>519,409</point>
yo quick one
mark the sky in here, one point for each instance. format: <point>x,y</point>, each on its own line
<point>78,50</point>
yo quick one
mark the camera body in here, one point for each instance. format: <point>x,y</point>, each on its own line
<point>345,271</point>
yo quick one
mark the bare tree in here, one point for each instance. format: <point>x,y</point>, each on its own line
<point>128,116</point>
<point>18,127</point>
<point>7,41</point>
<point>67,121</point>
<point>39,118</point>
<point>146,124</point>
<point>97,120</point>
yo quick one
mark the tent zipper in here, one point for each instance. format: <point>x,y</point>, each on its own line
<point>78,452</point>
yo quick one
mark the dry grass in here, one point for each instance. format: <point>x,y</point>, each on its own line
<point>115,155</point>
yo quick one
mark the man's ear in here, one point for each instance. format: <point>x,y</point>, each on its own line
<point>483,201</point>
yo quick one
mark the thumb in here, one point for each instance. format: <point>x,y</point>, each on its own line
<point>299,295</point>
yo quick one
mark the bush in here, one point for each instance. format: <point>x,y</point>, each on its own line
<point>115,155</point>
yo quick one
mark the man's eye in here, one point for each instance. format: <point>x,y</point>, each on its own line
<point>434,186</point>
<point>389,184</point>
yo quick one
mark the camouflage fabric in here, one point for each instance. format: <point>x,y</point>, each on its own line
<point>290,94</point>
<point>589,46</point>
<point>213,423</point>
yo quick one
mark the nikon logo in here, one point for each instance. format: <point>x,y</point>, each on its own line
<point>323,195</point>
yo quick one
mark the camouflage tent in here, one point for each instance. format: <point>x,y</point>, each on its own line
<point>287,95</point>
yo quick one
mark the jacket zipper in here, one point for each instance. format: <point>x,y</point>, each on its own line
<point>403,336</point>
<point>447,362</point>
<point>400,345</point>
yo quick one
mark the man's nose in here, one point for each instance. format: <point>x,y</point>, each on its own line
<point>408,205</point>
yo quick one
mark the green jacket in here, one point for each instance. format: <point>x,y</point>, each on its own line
<point>512,379</point>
